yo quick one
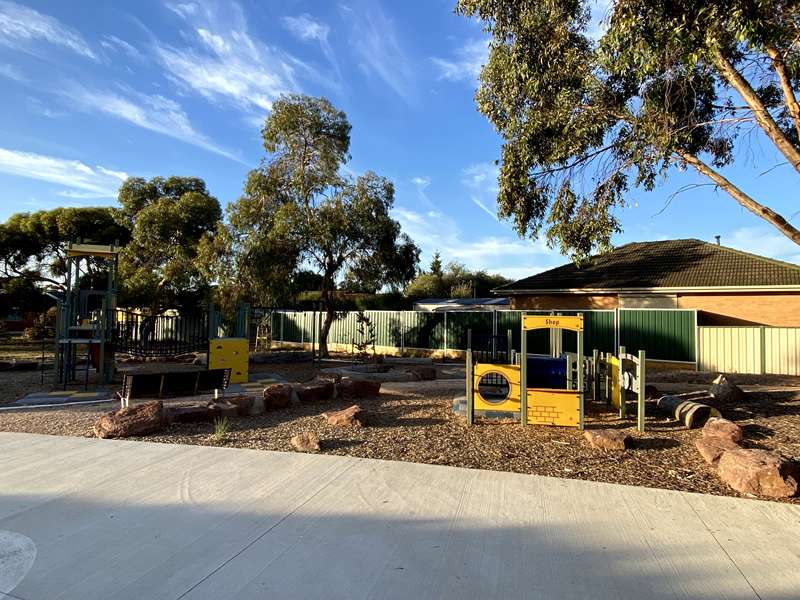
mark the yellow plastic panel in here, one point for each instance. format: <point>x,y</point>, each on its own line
<point>553,407</point>
<point>511,373</point>
<point>613,374</point>
<point>573,323</point>
<point>230,353</point>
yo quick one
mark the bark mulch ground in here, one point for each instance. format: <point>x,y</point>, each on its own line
<point>419,426</point>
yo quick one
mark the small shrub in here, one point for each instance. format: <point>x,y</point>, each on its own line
<point>221,426</point>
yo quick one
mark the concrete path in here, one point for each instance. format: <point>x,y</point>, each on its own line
<point>91,519</point>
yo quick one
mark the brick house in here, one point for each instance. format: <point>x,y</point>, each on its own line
<point>726,286</point>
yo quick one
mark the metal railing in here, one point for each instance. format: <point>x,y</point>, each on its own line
<point>151,336</point>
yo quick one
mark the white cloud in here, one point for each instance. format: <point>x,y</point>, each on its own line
<point>376,43</point>
<point>115,44</point>
<point>485,208</point>
<point>421,183</point>
<point>466,64</point>
<point>11,72</point>
<point>481,175</point>
<point>507,254</point>
<point>763,241</point>
<point>226,63</point>
<point>305,28</point>
<point>20,26</point>
<point>81,180</point>
<point>154,113</point>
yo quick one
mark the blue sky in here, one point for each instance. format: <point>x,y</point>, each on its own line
<point>94,91</point>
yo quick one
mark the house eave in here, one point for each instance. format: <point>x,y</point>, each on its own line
<point>653,290</point>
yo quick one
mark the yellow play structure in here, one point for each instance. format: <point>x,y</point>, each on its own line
<point>502,388</point>
<point>230,353</point>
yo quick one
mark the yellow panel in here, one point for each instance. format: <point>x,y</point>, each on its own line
<point>553,407</point>
<point>613,368</point>
<point>512,375</point>
<point>573,323</point>
<point>230,353</point>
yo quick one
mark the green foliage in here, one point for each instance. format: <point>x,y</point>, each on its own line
<point>669,84</point>
<point>365,336</point>
<point>221,427</point>
<point>455,281</point>
<point>167,218</point>
<point>298,212</point>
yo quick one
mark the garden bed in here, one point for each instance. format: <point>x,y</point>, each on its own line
<point>416,423</point>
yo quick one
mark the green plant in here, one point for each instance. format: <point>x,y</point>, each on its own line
<point>221,425</point>
<point>365,330</point>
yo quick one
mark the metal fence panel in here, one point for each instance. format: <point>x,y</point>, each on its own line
<point>459,322</point>
<point>423,330</point>
<point>664,334</point>
<point>729,349</point>
<point>781,350</point>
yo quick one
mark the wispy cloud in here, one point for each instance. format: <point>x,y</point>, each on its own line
<point>305,28</point>
<point>115,44</point>
<point>764,242</point>
<point>484,208</point>
<point>466,63</point>
<point>507,255</point>
<point>376,43</point>
<point>481,175</point>
<point>11,72</point>
<point>154,113</point>
<point>20,27</point>
<point>81,180</point>
<point>225,63</point>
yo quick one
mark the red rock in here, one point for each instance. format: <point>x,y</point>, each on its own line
<point>351,389</point>
<point>222,408</point>
<point>277,395</point>
<point>140,419</point>
<point>712,448</point>
<point>305,442</point>
<point>316,391</point>
<point>352,416</point>
<point>725,391</point>
<point>193,413</point>
<point>759,472</point>
<point>242,402</point>
<point>607,439</point>
<point>423,373</point>
<point>723,428</point>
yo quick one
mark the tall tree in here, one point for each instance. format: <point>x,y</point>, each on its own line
<point>33,245</point>
<point>670,84</point>
<point>299,212</point>
<point>167,218</point>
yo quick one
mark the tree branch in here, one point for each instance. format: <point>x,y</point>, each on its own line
<point>786,85</point>
<point>760,112</point>
<point>746,201</point>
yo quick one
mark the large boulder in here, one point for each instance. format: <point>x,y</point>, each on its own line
<point>352,416</point>
<point>759,472</point>
<point>725,391</point>
<point>191,413</point>
<point>712,448</point>
<point>423,373</point>
<point>316,391</point>
<point>718,427</point>
<point>277,395</point>
<point>305,442</point>
<point>352,389</point>
<point>243,403</point>
<point>140,419</point>
<point>220,409</point>
<point>607,439</point>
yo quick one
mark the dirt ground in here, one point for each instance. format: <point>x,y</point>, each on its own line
<point>419,426</point>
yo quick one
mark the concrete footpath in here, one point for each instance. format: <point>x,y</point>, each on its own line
<point>94,519</point>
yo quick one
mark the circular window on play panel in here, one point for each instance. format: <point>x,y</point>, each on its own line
<point>494,388</point>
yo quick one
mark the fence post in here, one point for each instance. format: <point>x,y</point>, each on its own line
<point>523,373</point>
<point>510,339</point>
<point>469,382</point>
<point>402,333</point>
<point>640,400</point>
<point>445,335</point>
<point>621,381</point>
<point>595,373</point>
<point>762,354</point>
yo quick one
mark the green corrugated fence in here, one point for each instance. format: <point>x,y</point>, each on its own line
<point>664,334</point>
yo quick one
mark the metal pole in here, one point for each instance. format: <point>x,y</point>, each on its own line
<point>523,374</point>
<point>510,343</point>
<point>580,380</point>
<point>620,380</point>
<point>595,374</point>
<point>445,335</point>
<point>641,379</point>
<point>470,383</point>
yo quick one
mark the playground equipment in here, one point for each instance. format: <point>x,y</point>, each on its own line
<point>503,388</point>
<point>82,318</point>
<point>528,386</point>
<point>230,353</point>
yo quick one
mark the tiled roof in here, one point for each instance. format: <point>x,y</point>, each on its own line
<point>667,264</point>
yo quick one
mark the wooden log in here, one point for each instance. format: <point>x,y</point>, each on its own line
<point>691,413</point>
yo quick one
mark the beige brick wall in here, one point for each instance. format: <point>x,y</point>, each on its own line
<point>775,309</point>
<point>565,301</point>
